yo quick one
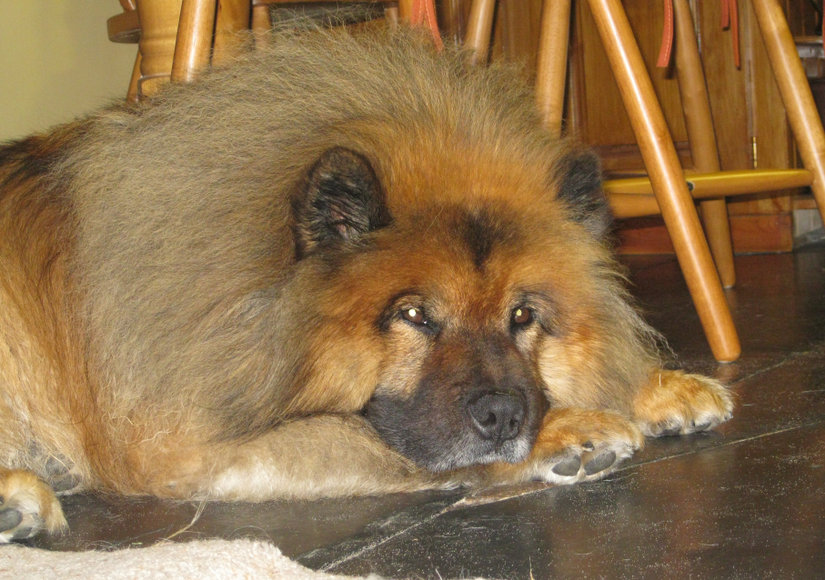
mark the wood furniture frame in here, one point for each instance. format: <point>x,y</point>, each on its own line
<point>667,190</point>
<point>179,38</point>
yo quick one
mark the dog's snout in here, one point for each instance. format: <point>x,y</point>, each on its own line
<point>497,416</point>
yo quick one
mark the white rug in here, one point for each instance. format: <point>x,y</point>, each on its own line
<point>205,560</point>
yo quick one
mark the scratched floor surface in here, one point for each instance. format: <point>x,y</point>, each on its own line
<point>745,501</point>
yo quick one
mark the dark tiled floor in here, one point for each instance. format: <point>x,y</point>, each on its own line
<point>745,501</point>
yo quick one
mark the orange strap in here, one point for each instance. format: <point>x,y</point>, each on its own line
<point>730,19</point>
<point>423,14</point>
<point>666,49</point>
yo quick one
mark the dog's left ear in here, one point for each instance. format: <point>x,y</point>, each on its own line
<point>579,179</point>
<point>340,200</point>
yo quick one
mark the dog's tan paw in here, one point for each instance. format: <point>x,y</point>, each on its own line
<point>677,403</point>
<point>27,507</point>
<point>576,445</point>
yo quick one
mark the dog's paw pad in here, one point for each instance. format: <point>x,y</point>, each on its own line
<point>568,467</point>
<point>603,461</point>
<point>27,507</point>
<point>10,519</point>
<point>11,527</point>
<point>585,464</point>
<point>17,524</point>
<point>62,477</point>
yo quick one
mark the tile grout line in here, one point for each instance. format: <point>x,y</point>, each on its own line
<point>814,349</point>
<point>727,443</point>
<point>329,567</point>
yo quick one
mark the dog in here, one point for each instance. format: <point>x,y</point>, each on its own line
<point>346,264</point>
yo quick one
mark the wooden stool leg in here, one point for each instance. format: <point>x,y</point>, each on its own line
<point>231,18</point>
<point>551,66</point>
<point>261,24</point>
<point>194,39</point>
<point>159,26</point>
<point>405,9</point>
<point>666,178</point>
<point>133,95</point>
<point>796,93</point>
<point>702,139</point>
<point>479,29</point>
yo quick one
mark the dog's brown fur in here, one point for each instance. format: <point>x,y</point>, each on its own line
<point>311,274</point>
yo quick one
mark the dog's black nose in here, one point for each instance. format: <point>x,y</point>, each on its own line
<point>497,415</point>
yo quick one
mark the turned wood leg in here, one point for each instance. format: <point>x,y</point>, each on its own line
<point>667,178</point>
<point>702,139</point>
<point>551,73</point>
<point>479,29</point>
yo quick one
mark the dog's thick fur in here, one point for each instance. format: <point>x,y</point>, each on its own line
<point>343,265</point>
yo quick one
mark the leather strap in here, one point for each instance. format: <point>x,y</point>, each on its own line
<point>423,14</point>
<point>730,19</point>
<point>666,49</point>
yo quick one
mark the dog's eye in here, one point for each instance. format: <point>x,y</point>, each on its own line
<point>414,315</point>
<point>521,316</point>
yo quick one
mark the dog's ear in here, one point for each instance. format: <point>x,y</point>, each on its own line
<point>578,177</point>
<point>340,200</point>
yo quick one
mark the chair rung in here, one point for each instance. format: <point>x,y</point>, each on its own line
<point>633,197</point>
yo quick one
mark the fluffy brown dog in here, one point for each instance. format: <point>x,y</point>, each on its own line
<point>346,265</point>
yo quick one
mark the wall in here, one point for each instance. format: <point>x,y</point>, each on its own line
<point>56,62</point>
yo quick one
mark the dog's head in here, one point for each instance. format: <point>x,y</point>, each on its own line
<point>458,316</point>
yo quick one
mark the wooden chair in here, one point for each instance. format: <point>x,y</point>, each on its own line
<point>178,38</point>
<point>667,190</point>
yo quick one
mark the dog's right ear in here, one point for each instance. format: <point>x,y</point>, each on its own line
<point>340,200</point>
<point>579,179</point>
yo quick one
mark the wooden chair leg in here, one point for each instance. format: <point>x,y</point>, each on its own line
<point>231,18</point>
<point>717,229</point>
<point>551,66</point>
<point>667,179</point>
<point>133,94</point>
<point>479,29</point>
<point>405,9</point>
<point>194,39</point>
<point>261,24</point>
<point>159,25</point>
<point>796,93</point>
<point>702,138</point>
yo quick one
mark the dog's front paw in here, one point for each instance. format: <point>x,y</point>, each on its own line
<point>27,506</point>
<point>589,462</point>
<point>677,403</point>
<point>581,445</point>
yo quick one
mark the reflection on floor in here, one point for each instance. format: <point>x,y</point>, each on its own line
<point>745,501</point>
